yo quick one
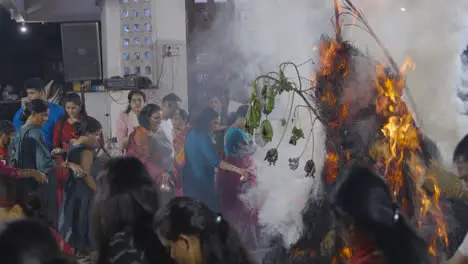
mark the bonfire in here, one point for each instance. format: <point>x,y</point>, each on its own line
<point>378,128</point>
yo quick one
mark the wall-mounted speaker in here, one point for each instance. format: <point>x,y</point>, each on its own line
<point>81,48</point>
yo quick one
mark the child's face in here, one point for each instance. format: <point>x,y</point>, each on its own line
<point>6,139</point>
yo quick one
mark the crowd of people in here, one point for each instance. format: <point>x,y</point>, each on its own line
<point>174,195</point>
<point>51,169</point>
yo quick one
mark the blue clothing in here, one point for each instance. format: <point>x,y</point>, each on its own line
<point>234,139</point>
<point>55,113</point>
<point>75,221</point>
<point>29,151</point>
<point>201,160</point>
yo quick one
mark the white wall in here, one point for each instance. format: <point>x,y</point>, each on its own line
<point>110,39</point>
<point>169,27</point>
<point>107,106</point>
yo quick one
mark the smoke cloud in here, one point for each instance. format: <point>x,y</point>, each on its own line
<point>269,32</point>
<point>433,34</point>
<point>284,31</point>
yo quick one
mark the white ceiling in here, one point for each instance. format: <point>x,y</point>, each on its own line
<point>54,10</point>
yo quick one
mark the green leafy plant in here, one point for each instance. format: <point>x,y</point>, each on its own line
<point>266,90</point>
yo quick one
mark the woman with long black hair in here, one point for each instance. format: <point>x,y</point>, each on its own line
<point>126,201</point>
<point>75,215</point>
<point>369,221</point>
<point>65,131</point>
<point>193,234</point>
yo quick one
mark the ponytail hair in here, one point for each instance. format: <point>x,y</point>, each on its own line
<point>219,242</point>
<point>35,106</point>
<point>363,199</point>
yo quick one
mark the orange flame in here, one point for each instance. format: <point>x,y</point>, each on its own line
<point>402,137</point>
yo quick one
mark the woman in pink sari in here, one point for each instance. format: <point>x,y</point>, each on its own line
<point>238,151</point>
<point>142,146</point>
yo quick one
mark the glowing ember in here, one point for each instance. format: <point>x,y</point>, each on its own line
<point>332,166</point>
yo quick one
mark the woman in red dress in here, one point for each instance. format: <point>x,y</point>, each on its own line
<point>64,131</point>
<point>370,223</point>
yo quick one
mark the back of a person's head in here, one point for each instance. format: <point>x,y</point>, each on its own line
<point>126,200</point>
<point>204,120</point>
<point>87,125</point>
<point>183,115</point>
<point>461,150</point>
<point>361,198</point>
<point>27,241</point>
<point>125,195</point>
<point>232,118</point>
<point>33,208</point>
<point>6,127</point>
<point>218,240</point>
<point>172,97</point>
<point>11,192</point>
<point>242,111</point>
<point>35,83</point>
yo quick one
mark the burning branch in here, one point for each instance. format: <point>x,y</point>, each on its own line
<point>394,148</point>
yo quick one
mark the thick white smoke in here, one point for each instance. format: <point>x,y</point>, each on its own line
<point>281,31</point>
<point>431,32</point>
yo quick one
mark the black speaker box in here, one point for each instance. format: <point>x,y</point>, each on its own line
<point>81,48</point>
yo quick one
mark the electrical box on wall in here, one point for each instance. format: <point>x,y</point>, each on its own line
<point>171,50</point>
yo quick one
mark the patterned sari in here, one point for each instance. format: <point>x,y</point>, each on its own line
<point>238,150</point>
<point>140,145</point>
<point>179,141</point>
